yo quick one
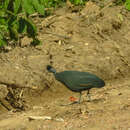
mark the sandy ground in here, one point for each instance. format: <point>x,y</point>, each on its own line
<point>91,39</point>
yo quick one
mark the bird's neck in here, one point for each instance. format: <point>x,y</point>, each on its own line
<point>53,70</point>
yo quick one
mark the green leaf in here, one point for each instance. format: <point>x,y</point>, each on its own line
<point>31,28</point>
<point>6,3</point>
<point>22,25</point>
<point>2,13</point>
<point>3,25</point>
<point>28,7</point>
<point>2,41</point>
<point>3,29</point>
<point>38,7</point>
<point>36,42</point>
<point>13,33</point>
<point>2,21</point>
<point>77,2</point>
<point>12,20</point>
<point>127,5</point>
<point>17,4</point>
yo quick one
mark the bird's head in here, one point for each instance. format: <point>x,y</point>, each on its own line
<point>51,69</point>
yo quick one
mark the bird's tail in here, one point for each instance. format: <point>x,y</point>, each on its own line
<point>51,69</point>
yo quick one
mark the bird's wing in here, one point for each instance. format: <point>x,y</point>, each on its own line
<point>85,85</point>
<point>86,81</point>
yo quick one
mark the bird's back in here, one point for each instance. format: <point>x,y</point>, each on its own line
<point>78,81</point>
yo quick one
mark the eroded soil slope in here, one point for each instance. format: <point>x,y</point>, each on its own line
<point>91,39</point>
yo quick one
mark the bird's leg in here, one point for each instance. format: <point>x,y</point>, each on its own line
<point>88,95</point>
<point>80,97</point>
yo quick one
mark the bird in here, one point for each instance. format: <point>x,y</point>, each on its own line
<point>77,81</point>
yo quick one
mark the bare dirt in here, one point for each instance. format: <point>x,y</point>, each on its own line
<point>92,39</point>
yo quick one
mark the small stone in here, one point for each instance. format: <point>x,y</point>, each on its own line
<point>86,44</point>
<point>7,48</point>
<point>59,119</point>
<point>26,41</point>
<point>3,91</point>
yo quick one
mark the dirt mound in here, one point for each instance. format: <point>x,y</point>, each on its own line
<point>93,39</point>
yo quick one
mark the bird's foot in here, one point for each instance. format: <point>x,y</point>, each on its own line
<point>75,102</point>
<point>89,98</point>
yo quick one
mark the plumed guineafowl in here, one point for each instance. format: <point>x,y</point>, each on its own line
<point>77,81</point>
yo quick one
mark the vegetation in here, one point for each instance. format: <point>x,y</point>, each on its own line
<point>15,20</point>
<point>127,4</point>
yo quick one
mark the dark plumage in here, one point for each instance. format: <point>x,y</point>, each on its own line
<point>77,81</point>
